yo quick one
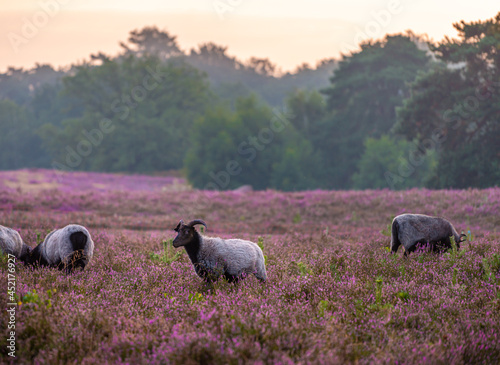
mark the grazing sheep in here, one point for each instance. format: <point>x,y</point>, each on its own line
<point>66,248</point>
<point>12,243</point>
<point>410,229</point>
<point>213,257</point>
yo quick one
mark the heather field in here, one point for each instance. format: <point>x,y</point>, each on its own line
<point>334,294</point>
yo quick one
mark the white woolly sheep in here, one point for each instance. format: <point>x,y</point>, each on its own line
<point>411,229</point>
<point>213,257</point>
<point>66,248</point>
<point>12,243</point>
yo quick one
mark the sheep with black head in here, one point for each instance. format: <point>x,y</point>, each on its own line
<point>213,257</point>
<point>412,229</point>
<point>66,248</point>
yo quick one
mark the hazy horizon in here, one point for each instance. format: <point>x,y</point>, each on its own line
<point>66,32</point>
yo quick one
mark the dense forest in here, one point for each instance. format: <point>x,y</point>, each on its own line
<point>399,113</point>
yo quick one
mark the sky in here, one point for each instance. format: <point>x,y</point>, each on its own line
<point>289,33</point>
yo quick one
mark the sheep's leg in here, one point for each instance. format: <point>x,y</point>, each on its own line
<point>410,249</point>
<point>232,278</point>
<point>395,246</point>
<point>395,242</point>
<point>261,273</point>
<point>261,279</point>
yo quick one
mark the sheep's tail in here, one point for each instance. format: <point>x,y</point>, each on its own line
<point>395,242</point>
<point>78,240</point>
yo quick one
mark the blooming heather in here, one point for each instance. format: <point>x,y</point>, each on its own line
<point>334,293</point>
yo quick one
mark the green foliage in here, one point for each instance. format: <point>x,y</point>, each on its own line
<point>169,254</point>
<point>385,163</point>
<point>17,84</point>
<point>378,290</point>
<point>299,268</point>
<point>454,278</point>
<point>307,109</point>
<point>454,110</point>
<point>454,254</point>
<point>454,248</point>
<point>231,78</point>
<point>260,243</point>
<point>323,305</point>
<point>361,102</point>
<point>149,108</point>
<point>194,298</point>
<point>21,146</point>
<point>403,295</point>
<point>387,231</point>
<point>354,217</point>
<point>31,298</point>
<point>488,274</point>
<point>39,238</point>
<point>470,236</point>
<point>4,259</point>
<point>252,145</point>
<point>296,168</point>
<point>495,262</point>
<point>342,135</point>
<point>490,266</point>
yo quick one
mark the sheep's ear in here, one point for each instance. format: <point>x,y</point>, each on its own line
<point>179,226</point>
<point>195,222</point>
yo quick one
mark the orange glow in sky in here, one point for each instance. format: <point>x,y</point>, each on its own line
<point>289,33</point>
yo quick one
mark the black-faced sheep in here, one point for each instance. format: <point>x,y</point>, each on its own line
<point>213,257</point>
<point>12,243</point>
<point>411,229</point>
<point>66,248</point>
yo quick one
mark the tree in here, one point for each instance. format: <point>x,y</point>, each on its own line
<point>137,115</point>
<point>150,41</point>
<point>297,167</point>
<point>361,101</point>
<point>21,146</point>
<point>455,108</point>
<point>262,66</point>
<point>19,85</point>
<point>392,163</point>
<point>307,109</point>
<point>252,145</point>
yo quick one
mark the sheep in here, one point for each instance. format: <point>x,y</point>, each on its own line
<point>410,229</point>
<point>12,243</point>
<point>211,257</point>
<point>66,248</point>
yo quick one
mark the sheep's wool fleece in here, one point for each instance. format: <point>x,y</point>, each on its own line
<point>236,255</point>
<point>11,242</point>
<point>419,227</point>
<point>57,246</point>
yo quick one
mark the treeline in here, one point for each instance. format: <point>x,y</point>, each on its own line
<point>399,113</point>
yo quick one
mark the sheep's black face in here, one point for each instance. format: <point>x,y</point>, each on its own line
<point>462,238</point>
<point>76,260</point>
<point>185,234</point>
